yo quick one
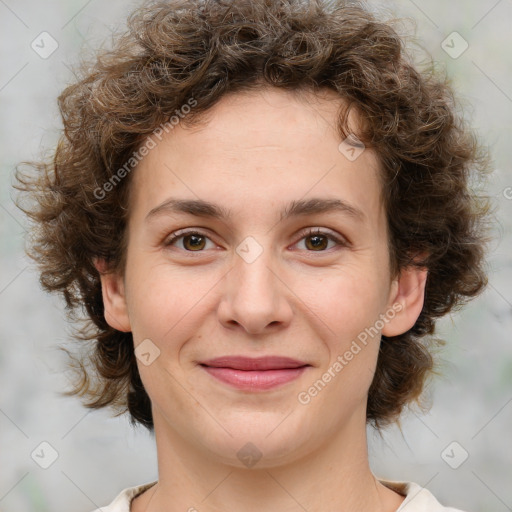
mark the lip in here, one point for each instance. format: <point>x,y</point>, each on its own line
<point>255,374</point>
<point>258,363</point>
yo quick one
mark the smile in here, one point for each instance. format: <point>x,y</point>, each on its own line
<point>254,380</point>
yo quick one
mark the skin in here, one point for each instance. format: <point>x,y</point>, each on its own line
<point>254,153</point>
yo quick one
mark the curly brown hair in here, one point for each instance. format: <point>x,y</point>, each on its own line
<point>204,49</point>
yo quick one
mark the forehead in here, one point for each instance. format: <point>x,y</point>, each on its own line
<point>273,116</point>
<point>269,145</point>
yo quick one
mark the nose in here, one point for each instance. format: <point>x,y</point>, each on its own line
<point>256,297</point>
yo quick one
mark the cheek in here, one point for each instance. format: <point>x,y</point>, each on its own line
<point>150,297</point>
<point>348,306</point>
<point>346,301</point>
<point>166,303</point>
<point>345,307</point>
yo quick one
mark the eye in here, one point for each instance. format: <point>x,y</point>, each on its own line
<point>193,241</point>
<point>318,240</point>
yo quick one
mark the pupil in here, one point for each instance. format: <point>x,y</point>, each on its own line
<point>196,240</point>
<point>320,241</point>
<point>316,241</point>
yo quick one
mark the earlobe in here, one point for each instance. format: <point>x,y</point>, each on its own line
<point>114,300</point>
<point>408,291</point>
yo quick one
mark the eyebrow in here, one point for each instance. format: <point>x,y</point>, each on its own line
<point>206,209</point>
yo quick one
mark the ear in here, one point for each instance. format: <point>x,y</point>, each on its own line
<point>114,301</point>
<point>406,299</point>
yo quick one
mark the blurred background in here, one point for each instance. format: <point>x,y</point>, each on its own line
<point>461,450</point>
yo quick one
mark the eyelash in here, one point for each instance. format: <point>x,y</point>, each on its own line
<point>310,232</point>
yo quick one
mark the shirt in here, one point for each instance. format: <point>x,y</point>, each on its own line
<point>417,498</point>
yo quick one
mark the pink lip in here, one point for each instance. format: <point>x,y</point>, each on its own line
<point>255,374</point>
<point>258,363</point>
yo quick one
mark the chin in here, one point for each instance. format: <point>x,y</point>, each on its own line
<point>259,444</point>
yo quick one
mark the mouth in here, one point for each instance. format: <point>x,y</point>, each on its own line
<point>259,363</point>
<point>255,374</point>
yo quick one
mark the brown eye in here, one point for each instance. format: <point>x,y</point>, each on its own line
<point>317,242</point>
<point>195,242</point>
<point>191,241</point>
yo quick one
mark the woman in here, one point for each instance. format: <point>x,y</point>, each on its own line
<point>263,207</point>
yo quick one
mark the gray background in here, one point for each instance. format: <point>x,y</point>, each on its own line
<point>99,455</point>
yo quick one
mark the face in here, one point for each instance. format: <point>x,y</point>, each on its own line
<point>270,270</point>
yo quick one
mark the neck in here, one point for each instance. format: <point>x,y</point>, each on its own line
<point>334,476</point>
